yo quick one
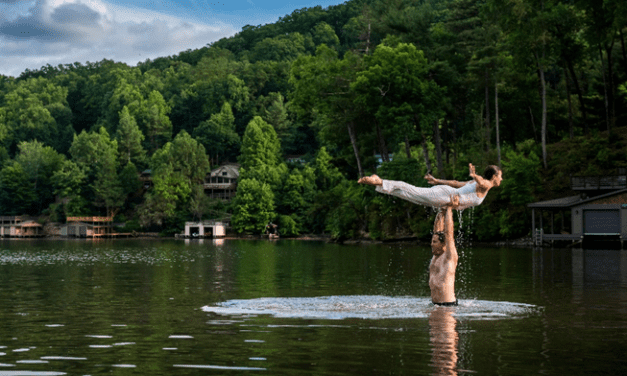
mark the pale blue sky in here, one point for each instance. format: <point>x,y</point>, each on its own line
<point>34,33</point>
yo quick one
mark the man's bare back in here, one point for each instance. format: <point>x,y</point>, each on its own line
<point>444,261</point>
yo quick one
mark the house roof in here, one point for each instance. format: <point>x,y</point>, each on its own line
<point>232,170</point>
<point>30,224</point>
<point>10,218</point>
<point>569,202</point>
<point>89,219</point>
<point>564,202</point>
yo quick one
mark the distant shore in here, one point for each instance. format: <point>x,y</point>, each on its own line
<point>522,242</point>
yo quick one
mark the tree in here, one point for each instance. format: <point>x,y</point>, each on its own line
<point>276,115</point>
<point>327,175</point>
<point>279,48</point>
<point>295,195</point>
<point>39,163</point>
<point>253,207</point>
<point>129,138</point>
<point>323,33</point>
<point>394,87</point>
<point>125,94</point>
<point>218,134</point>
<point>260,153</point>
<point>206,96</point>
<point>37,109</point>
<point>158,127</point>
<point>107,187</point>
<point>68,182</point>
<point>322,85</point>
<point>522,169</point>
<point>17,192</point>
<point>97,155</point>
<point>528,30</point>
<point>4,129</point>
<point>176,169</point>
<point>199,203</point>
<point>260,177</point>
<point>129,179</point>
<point>600,32</point>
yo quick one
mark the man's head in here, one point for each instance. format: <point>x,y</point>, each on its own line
<point>437,243</point>
<point>494,174</point>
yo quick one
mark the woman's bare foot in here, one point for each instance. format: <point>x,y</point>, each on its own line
<point>370,180</point>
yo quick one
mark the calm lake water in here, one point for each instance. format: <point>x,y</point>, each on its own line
<point>300,307</point>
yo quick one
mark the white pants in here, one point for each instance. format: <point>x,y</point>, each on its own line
<point>436,196</point>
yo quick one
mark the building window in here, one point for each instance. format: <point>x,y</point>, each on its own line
<point>224,173</point>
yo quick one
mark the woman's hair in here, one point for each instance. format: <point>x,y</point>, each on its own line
<point>440,235</point>
<point>490,171</point>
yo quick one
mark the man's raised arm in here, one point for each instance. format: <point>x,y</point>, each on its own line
<point>438,226</point>
<point>449,228</point>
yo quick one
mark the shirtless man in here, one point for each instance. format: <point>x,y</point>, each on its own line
<point>444,261</point>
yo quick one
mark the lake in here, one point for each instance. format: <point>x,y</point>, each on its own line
<point>289,307</point>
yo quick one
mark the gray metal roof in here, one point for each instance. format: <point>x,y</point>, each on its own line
<point>564,202</point>
<point>569,202</point>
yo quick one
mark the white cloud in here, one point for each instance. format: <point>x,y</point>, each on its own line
<point>65,31</point>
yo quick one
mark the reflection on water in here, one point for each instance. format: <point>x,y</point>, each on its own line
<point>444,341</point>
<point>287,307</point>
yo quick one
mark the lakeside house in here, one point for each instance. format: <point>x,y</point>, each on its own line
<point>597,214</point>
<point>221,183</point>
<point>20,227</point>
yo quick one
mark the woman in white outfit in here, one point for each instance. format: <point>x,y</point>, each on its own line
<point>471,193</point>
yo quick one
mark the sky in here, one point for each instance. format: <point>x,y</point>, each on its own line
<point>34,33</point>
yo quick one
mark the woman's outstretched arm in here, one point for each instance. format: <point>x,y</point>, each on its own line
<point>451,183</point>
<point>481,182</point>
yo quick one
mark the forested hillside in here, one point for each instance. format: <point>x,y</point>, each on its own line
<point>396,87</point>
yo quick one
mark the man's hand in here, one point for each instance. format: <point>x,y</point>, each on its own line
<point>454,202</point>
<point>370,180</point>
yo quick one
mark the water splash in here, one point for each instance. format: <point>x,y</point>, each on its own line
<point>373,307</point>
<point>459,239</point>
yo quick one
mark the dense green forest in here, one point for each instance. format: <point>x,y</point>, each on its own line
<point>396,87</point>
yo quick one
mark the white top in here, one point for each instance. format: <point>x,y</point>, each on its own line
<point>468,195</point>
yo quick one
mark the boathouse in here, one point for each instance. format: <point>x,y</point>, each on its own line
<point>87,227</point>
<point>221,183</point>
<point>204,229</point>
<point>597,213</point>
<point>20,227</point>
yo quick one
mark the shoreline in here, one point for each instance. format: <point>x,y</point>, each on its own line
<point>525,242</point>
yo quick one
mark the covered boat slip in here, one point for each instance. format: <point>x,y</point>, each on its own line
<point>88,227</point>
<point>204,229</point>
<point>603,217</point>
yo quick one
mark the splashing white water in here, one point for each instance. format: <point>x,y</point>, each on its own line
<point>365,307</point>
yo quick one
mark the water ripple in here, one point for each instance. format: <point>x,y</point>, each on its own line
<point>31,373</point>
<point>222,368</point>
<point>62,358</point>
<point>365,307</point>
